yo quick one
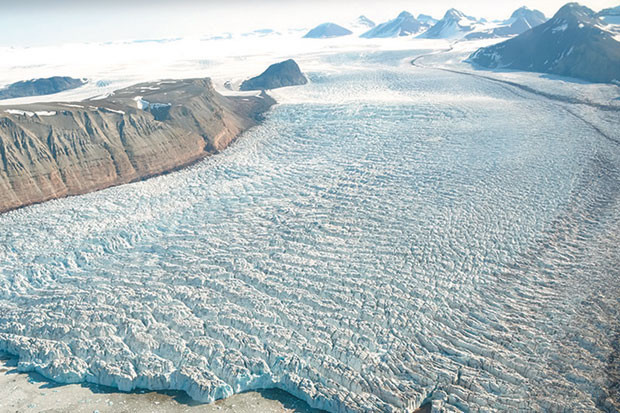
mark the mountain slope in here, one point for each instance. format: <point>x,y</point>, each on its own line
<point>54,150</point>
<point>454,24</point>
<point>573,43</point>
<point>39,87</point>
<point>403,25</point>
<point>327,30</point>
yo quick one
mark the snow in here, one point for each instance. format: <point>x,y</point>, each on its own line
<point>46,113</point>
<point>141,103</point>
<point>120,112</point>
<point>19,112</point>
<point>30,114</point>
<point>144,105</point>
<point>561,28</point>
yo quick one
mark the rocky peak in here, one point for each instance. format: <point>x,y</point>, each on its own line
<point>575,13</point>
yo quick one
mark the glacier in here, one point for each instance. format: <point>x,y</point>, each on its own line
<point>389,236</point>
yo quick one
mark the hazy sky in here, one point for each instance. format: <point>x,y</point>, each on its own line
<point>35,22</point>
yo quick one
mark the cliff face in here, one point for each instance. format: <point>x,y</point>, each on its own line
<point>54,150</point>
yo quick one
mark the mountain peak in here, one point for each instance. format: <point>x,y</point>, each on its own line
<point>576,11</point>
<point>570,44</point>
<point>365,21</point>
<point>529,16</point>
<point>327,30</point>
<point>521,11</point>
<point>403,25</point>
<point>454,14</point>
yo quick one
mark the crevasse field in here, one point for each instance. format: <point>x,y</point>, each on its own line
<point>390,235</point>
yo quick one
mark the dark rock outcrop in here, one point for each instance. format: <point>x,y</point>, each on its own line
<point>573,43</point>
<point>277,75</point>
<point>327,30</point>
<point>38,87</point>
<point>54,150</point>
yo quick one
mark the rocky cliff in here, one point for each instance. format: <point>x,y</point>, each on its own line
<point>54,150</point>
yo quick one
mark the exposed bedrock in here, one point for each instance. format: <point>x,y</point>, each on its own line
<point>55,150</point>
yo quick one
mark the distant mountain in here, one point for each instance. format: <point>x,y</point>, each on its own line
<point>610,15</point>
<point>364,21</point>
<point>454,24</point>
<point>281,74</point>
<point>327,30</point>
<point>38,87</point>
<point>573,43</point>
<point>521,21</point>
<point>426,20</point>
<point>403,25</point>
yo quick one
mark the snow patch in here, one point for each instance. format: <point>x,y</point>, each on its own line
<point>19,112</point>
<point>561,28</point>
<point>145,105</point>
<point>141,103</point>
<point>120,112</point>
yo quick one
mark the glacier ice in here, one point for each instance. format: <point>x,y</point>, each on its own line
<point>441,239</point>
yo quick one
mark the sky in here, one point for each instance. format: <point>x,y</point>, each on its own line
<point>44,22</point>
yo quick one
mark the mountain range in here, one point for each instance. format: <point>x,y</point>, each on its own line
<point>576,42</point>
<point>521,21</point>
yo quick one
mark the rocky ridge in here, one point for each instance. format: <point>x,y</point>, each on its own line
<point>55,150</point>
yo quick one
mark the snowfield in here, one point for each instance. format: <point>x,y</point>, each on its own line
<point>391,235</point>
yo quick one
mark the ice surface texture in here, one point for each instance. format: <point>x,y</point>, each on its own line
<point>451,241</point>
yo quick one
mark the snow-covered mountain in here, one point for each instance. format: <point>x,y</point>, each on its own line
<point>454,24</point>
<point>403,25</point>
<point>327,30</point>
<point>521,21</point>
<point>610,15</point>
<point>573,43</point>
<point>363,22</point>
<point>426,20</point>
